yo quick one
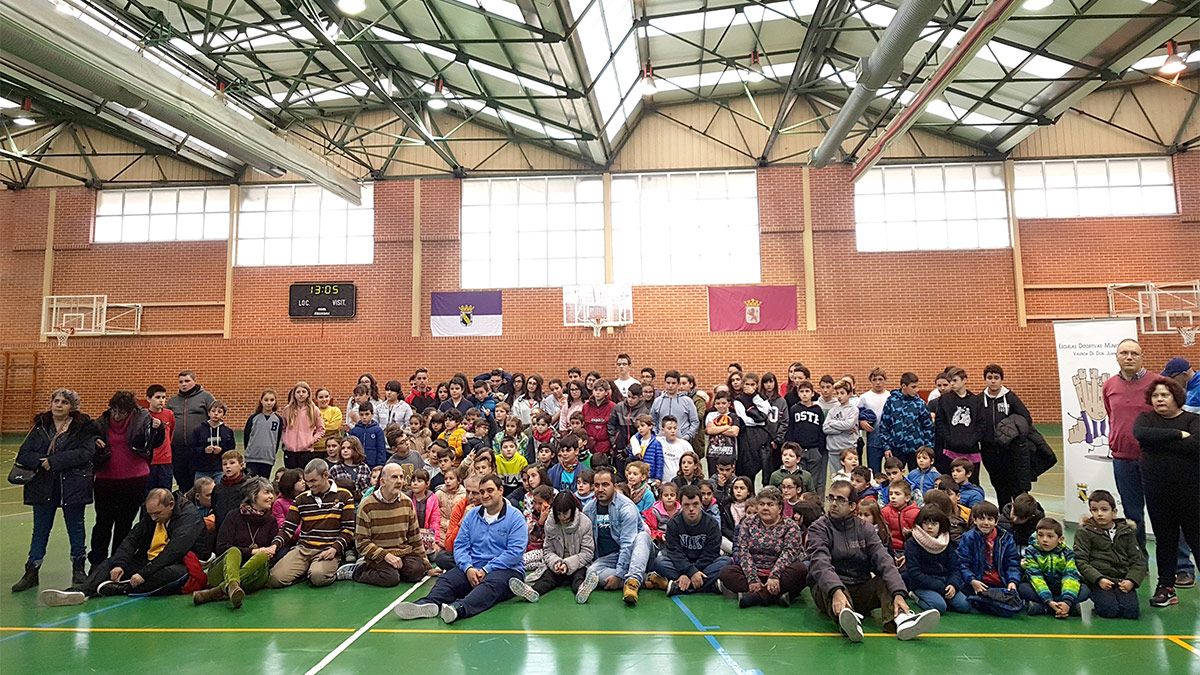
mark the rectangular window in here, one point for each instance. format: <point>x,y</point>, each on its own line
<point>162,214</point>
<point>532,232</point>
<point>1127,186</point>
<point>686,228</point>
<point>304,225</point>
<point>931,207</point>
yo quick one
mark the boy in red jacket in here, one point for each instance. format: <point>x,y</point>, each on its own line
<point>596,411</point>
<point>899,513</point>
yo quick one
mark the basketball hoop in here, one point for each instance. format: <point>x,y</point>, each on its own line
<point>63,334</point>
<point>1189,335</point>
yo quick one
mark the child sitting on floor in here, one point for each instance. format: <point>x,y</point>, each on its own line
<point>1051,583</point>
<point>931,564</point>
<point>1109,560</point>
<point>989,564</point>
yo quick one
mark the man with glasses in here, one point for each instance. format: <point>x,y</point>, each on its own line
<point>851,573</point>
<point>488,552</point>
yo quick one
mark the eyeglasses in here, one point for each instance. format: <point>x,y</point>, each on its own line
<point>836,499</point>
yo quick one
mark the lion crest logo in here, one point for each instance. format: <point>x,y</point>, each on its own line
<point>466,314</point>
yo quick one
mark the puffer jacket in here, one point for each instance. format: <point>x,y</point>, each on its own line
<point>571,544</point>
<point>905,424</point>
<point>1099,557</point>
<point>70,479</point>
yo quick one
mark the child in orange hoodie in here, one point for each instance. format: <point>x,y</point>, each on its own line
<point>899,513</point>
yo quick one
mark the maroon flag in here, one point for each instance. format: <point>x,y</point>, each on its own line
<point>741,308</point>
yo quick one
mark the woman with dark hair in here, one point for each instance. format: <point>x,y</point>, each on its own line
<point>244,548</point>
<point>1170,463</point>
<point>375,398</point>
<point>567,550</point>
<point>529,399</point>
<point>59,450</point>
<point>777,419</point>
<point>768,556</point>
<point>128,436</point>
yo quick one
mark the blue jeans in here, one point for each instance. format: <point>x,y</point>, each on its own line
<point>667,569</point>
<point>453,588</point>
<point>43,523</point>
<point>161,476</point>
<point>934,600</point>
<point>606,566</point>
<point>1128,475</point>
<point>215,475</point>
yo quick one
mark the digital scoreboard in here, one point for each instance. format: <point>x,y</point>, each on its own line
<point>322,300</point>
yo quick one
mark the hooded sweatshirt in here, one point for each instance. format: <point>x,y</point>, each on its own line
<point>905,424</point>
<point>1044,569</point>
<point>572,544</point>
<point>841,427</point>
<point>957,425</point>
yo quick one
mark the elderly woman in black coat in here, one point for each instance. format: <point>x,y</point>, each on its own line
<point>59,450</point>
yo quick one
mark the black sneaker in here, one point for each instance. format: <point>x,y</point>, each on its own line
<point>1164,596</point>
<point>111,589</point>
<point>1185,579</point>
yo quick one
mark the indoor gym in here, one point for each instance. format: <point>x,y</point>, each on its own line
<point>930,183</point>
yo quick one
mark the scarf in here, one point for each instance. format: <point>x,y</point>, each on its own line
<point>933,545</point>
<point>738,511</point>
<point>249,510</point>
<point>637,494</point>
<point>227,481</point>
<point>543,438</point>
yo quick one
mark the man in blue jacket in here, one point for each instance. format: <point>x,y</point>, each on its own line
<point>488,551</point>
<point>623,546</point>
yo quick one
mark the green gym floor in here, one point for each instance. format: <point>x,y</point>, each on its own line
<point>347,628</point>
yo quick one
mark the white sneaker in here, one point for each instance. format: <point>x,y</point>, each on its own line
<point>590,582</point>
<point>412,610</point>
<point>55,598</point>
<point>909,626</point>
<point>448,613</point>
<point>523,590</point>
<point>346,572</point>
<point>850,622</point>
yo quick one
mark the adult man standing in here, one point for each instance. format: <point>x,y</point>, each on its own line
<point>190,406</point>
<point>488,552</point>
<point>624,379</point>
<point>692,560</point>
<point>851,573</point>
<point>623,546</point>
<point>1125,399</point>
<point>149,558</point>
<point>673,403</point>
<point>387,536</point>
<point>321,520</point>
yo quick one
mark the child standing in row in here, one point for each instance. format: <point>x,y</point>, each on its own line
<point>303,427</point>
<point>261,435</point>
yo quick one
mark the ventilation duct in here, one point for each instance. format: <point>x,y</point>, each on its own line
<point>44,39</point>
<point>874,71</point>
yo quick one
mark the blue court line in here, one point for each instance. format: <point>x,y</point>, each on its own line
<point>713,642</point>
<point>77,617</point>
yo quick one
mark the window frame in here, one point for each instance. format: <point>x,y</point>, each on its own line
<point>211,218</point>
<point>261,230</point>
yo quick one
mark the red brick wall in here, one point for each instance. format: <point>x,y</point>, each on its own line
<point>904,311</point>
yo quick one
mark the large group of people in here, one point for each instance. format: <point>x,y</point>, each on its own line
<point>504,485</point>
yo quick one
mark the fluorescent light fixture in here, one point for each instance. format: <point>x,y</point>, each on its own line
<point>647,86</point>
<point>24,122</point>
<point>351,6</point>
<point>1036,5</point>
<point>5,103</point>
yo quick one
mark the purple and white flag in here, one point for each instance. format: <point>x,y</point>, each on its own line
<point>466,313</point>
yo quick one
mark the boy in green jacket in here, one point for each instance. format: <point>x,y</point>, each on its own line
<point>1109,559</point>
<point>1051,583</point>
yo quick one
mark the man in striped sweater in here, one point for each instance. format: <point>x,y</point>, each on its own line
<point>387,536</point>
<point>322,520</point>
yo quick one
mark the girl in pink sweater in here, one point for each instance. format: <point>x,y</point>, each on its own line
<point>303,427</point>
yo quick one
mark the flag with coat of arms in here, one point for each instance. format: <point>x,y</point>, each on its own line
<point>747,308</point>
<point>466,313</point>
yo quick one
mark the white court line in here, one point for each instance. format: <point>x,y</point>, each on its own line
<point>366,627</point>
